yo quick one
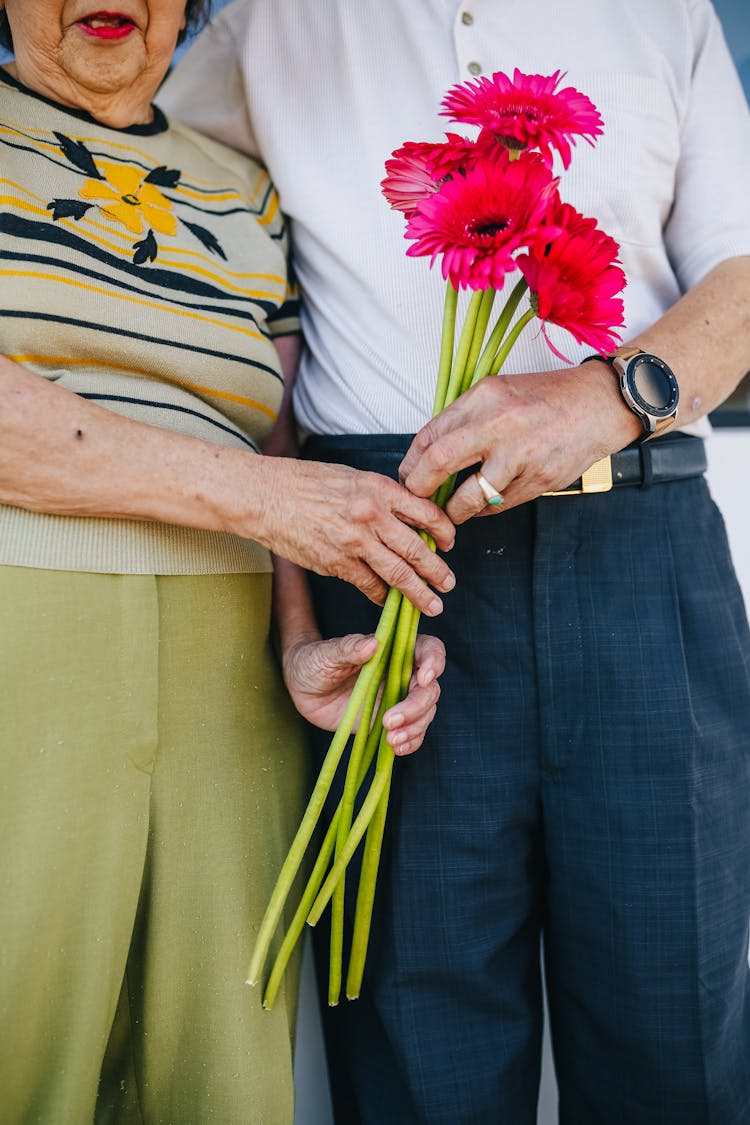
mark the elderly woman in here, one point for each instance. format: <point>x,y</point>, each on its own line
<point>152,771</point>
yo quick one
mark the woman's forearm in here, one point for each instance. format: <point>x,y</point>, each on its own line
<point>293,614</point>
<point>63,455</point>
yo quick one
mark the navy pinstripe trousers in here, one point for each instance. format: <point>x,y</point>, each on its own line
<point>587,778</point>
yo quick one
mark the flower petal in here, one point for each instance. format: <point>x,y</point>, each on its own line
<point>480,219</point>
<point>528,112</point>
<point>97,189</point>
<point>163,221</point>
<point>126,214</point>
<point>123,177</point>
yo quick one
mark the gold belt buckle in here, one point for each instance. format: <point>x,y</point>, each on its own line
<point>598,478</point>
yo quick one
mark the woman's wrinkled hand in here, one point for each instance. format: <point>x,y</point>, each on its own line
<point>358,526</point>
<point>320,675</point>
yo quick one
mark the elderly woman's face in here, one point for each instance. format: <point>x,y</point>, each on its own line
<point>106,55</point>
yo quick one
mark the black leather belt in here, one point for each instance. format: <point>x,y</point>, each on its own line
<point>668,458</point>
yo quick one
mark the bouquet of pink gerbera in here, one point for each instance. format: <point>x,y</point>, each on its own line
<point>486,207</point>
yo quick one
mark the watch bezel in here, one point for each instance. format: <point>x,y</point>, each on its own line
<point>653,418</point>
<point>630,373</point>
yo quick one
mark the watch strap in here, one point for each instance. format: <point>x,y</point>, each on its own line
<point>626,351</point>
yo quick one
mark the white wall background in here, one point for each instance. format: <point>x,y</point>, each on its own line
<point>728,476</point>
<point>729,448</point>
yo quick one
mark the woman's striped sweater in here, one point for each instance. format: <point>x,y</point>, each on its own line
<point>144,269</point>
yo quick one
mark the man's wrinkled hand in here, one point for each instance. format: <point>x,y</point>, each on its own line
<point>528,434</point>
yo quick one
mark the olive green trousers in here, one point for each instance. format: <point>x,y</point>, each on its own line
<point>152,777</point>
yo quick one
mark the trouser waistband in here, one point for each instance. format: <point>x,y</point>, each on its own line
<point>672,457</point>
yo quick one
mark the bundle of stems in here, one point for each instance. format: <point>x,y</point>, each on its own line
<point>383,682</point>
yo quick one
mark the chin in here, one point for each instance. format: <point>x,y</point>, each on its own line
<point>107,69</point>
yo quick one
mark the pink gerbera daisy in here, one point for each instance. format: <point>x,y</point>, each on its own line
<point>417,169</point>
<point>575,279</point>
<point>477,221</point>
<point>527,112</point>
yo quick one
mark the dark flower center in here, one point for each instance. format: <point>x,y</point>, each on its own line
<point>487,228</point>
<point>133,200</point>
<point>510,142</point>
<point>530,112</point>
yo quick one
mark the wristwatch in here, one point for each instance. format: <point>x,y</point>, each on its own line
<point>648,386</point>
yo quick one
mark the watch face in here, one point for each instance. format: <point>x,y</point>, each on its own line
<point>653,386</point>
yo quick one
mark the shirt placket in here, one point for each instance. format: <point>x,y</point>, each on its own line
<point>467,37</point>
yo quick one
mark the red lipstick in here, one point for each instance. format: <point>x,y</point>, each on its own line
<point>107,25</point>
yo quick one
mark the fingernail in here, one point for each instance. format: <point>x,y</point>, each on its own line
<point>396,720</point>
<point>435,606</point>
<point>449,582</point>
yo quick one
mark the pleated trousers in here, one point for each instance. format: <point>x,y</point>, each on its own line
<point>587,779</point>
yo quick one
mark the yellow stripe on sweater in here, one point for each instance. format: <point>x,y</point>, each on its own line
<point>70,361</point>
<point>270,214</point>
<point>136,301</point>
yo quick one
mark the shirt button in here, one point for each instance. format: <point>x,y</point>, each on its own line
<point>474,68</point>
<point>467,19</point>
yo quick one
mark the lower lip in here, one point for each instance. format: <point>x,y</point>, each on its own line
<point>110,32</point>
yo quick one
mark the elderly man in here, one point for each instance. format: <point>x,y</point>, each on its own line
<point>588,776</point>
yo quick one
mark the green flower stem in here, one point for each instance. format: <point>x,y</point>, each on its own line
<point>446,346</point>
<point>352,783</point>
<point>373,843</point>
<point>322,786</point>
<point>462,351</point>
<point>358,829</point>
<point>470,364</point>
<point>475,366</point>
<point>401,656</point>
<point>498,332</point>
<point>353,838</point>
<point>297,925</point>
<point>411,641</point>
<point>396,632</point>
<point>363,737</point>
<point>369,875</point>
<point>480,329</point>
<point>510,339</point>
<point>336,948</point>
<point>452,375</point>
<point>391,695</point>
<point>399,674</point>
<point>443,494</point>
